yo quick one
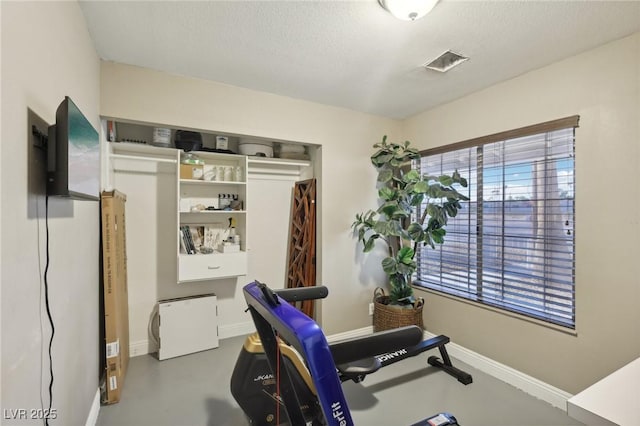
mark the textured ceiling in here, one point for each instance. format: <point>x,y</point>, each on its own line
<point>353,54</point>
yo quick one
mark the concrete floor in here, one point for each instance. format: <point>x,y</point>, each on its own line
<point>194,390</point>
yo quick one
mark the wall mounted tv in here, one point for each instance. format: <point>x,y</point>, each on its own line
<point>73,155</point>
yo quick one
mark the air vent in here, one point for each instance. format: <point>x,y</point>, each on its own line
<point>446,61</point>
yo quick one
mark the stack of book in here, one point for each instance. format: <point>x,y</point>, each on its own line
<point>187,241</point>
<point>203,239</point>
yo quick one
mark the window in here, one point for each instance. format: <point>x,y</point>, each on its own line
<point>512,245</point>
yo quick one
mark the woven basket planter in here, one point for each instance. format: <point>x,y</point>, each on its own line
<point>387,317</point>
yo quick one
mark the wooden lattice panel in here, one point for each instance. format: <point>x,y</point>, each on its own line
<point>301,271</point>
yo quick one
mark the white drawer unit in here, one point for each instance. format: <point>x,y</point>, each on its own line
<point>187,325</point>
<point>198,267</point>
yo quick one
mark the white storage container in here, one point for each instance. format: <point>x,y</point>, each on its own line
<point>161,137</point>
<point>255,147</point>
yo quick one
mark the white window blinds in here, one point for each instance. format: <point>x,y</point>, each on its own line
<point>512,244</point>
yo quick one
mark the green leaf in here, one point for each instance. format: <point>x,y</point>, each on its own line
<point>381,158</point>
<point>390,208</point>
<point>435,211</point>
<point>401,291</point>
<point>408,300</point>
<point>416,200</point>
<point>368,246</point>
<point>380,227</point>
<point>428,241</point>
<point>389,265</point>
<point>421,187</point>
<point>397,281</point>
<point>445,180</point>
<point>378,153</point>
<point>451,209</point>
<point>434,224</point>
<point>405,255</point>
<point>385,175</point>
<point>387,193</point>
<point>438,235</point>
<point>394,228</point>
<point>435,190</point>
<point>411,176</point>
<point>400,214</point>
<point>407,268</point>
<point>415,231</point>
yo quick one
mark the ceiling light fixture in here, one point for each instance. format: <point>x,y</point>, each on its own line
<point>408,10</point>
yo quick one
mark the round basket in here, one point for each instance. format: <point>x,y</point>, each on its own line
<point>387,317</point>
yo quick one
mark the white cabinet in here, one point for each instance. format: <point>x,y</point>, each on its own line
<point>214,213</point>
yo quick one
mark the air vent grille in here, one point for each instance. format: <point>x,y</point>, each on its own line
<point>446,61</point>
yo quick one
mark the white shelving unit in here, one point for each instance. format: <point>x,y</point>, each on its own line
<point>215,225</point>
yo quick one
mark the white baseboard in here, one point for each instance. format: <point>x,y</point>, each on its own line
<point>530,385</point>
<point>350,334</point>
<point>140,347</point>
<point>92,418</point>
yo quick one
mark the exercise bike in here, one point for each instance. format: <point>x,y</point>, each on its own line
<point>287,373</point>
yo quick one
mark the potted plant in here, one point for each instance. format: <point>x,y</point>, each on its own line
<point>413,211</point>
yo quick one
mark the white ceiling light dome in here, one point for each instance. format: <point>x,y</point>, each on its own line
<point>408,10</point>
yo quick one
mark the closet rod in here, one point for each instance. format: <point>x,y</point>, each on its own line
<point>134,157</point>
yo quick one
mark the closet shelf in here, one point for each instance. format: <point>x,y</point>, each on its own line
<point>214,212</point>
<point>210,182</point>
<point>276,167</point>
<point>140,158</point>
<point>278,162</point>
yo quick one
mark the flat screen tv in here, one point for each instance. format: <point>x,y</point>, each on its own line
<point>73,155</point>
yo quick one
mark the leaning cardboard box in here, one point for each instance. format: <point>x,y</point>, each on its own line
<point>116,304</point>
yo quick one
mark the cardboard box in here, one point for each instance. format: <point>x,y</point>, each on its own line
<point>191,171</point>
<point>116,300</point>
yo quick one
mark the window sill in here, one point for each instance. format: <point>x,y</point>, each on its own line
<point>510,314</point>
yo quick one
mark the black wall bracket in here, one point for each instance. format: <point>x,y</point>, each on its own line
<point>40,138</point>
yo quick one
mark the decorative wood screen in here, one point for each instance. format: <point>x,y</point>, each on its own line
<point>301,271</point>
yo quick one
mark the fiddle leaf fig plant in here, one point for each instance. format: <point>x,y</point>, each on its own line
<point>413,211</point>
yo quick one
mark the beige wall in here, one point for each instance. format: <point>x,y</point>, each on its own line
<point>347,180</point>
<point>603,87</point>
<point>46,54</point>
